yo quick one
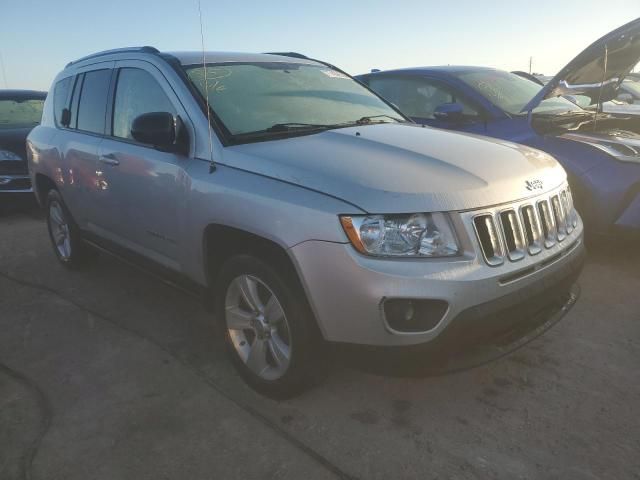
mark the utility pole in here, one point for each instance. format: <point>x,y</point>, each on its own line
<point>530,64</point>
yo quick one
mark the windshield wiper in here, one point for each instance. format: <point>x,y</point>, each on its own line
<point>286,127</point>
<point>369,118</point>
<point>292,127</point>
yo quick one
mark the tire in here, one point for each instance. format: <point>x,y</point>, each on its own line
<point>64,234</point>
<point>269,329</point>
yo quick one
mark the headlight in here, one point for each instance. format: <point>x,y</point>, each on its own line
<point>417,235</point>
<point>6,155</point>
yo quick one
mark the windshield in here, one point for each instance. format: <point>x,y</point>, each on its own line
<point>254,97</point>
<point>511,93</point>
<point>20,113</point>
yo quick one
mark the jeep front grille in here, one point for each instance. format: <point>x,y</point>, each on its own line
<point>517,231</point>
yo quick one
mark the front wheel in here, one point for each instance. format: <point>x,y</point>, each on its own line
<point>268,326</point>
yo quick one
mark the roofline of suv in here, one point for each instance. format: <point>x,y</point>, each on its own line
<point>143,49</point>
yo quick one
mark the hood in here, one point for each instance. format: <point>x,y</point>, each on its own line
<point>402,168</point>
<point>598,70</point>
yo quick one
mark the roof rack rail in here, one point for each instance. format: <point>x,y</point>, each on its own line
<point>145,49</point>
<point>288,54</point>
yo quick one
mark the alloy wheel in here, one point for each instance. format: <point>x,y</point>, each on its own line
<point>257,326</point>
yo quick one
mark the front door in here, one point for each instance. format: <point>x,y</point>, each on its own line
<point>145,186</point>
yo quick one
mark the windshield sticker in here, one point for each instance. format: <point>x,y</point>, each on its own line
<point>490,90</point>
<point>334,74</point>
<point>214,78</point>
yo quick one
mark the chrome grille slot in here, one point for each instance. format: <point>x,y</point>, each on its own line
<point>559,217</point>
<point>513,236</point>
<point>490,242</point>
<point>527,228</point>
<point>568,211</point>
<point>532,230</point>
<point>573,215</point>
<point>548,225</point>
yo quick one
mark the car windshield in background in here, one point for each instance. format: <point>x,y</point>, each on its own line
<point>267,98</point>
<point>511,93</point>
<point>20,113</point>
<point>632,86</point>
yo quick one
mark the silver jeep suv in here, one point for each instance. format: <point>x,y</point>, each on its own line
<point>308,207</point>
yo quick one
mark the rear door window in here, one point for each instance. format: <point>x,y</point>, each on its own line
<point>93,101</point>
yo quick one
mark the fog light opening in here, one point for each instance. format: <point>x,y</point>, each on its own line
<point>413,315</point>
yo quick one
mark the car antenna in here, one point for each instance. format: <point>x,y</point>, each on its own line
<point>604,76</point>
<point>212,165</point>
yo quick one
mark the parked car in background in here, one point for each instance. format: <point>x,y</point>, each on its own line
<point>601,153</point>
<point>623,104</point>
<point>308,207</point>
<point>20,111</point>
<point>629,91</point>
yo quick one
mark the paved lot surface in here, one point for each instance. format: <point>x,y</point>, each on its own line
<point>109,374</point>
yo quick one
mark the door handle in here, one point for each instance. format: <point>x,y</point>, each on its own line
<point>109,159</point>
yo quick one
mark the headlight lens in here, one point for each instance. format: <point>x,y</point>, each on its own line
<point>6,155</point>
<point>416,235</point>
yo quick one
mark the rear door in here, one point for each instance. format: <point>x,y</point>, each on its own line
<point>85,96</point>
<point>145,188</point>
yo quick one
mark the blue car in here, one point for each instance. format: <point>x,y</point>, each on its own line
<point>600,152</point>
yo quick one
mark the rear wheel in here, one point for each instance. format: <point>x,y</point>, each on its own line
<point>63,232</point>
<point>268,327</point>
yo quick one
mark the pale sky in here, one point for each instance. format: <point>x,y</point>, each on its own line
<point>38,38</point>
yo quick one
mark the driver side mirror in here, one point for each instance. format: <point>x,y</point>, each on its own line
<point>449,112</point>
<point>155,128</point>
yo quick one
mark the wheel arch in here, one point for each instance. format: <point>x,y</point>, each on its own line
<point>221,242</point>
<point>43,184</point>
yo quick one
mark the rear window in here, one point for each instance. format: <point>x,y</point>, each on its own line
<point>93,101</point>
<point>61,98</point>
<point>20,113</point>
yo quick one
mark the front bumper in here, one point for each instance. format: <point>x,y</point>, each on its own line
<point>346,290</point>
<point>15,184</point>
